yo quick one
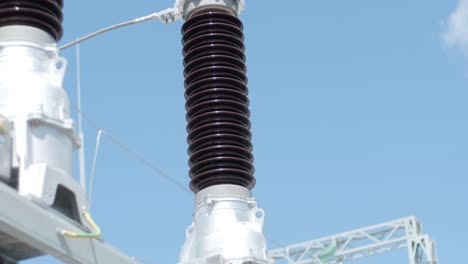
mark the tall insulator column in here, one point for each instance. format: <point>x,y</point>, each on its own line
<point>227,225</point>
<point>218,126</point>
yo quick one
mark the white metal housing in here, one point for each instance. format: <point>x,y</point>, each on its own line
<point>39,198</point>
<point>227,228</point>
<point>33,100</point>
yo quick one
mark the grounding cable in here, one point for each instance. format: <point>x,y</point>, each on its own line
<point>95,234</point>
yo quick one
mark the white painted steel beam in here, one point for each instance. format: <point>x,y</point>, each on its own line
<point>39,227</point>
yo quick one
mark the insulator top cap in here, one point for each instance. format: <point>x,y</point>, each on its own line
<point>187,6</point>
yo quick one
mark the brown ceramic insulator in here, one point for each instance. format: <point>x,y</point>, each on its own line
<point>218,126</point>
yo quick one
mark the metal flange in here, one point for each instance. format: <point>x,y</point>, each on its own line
<point>188,6</point>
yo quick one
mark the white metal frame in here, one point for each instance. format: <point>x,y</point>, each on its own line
<point>39,227</point>
<point>364,242</point>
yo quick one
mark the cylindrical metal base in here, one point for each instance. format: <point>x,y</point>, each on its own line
<point>25,33</point>
<point>227,225</point>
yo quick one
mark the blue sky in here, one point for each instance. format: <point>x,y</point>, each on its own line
<point>359,112</point>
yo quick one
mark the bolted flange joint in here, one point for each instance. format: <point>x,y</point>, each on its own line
<point>188,6</point>
<point>227,228</point>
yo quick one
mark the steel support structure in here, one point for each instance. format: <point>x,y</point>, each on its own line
<point>38,228</point>
<point>6,260</point>
<point>364,242</point>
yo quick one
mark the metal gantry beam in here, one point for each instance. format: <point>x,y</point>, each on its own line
<point>364,242</point>
<point>6,260</point>
<point>38,229</point>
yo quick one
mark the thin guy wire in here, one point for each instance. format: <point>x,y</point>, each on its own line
<point>93,168</point>
<point>135,154</point>
<point>145,161</point>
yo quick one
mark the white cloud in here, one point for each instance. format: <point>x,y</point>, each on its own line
<point>456,34</point>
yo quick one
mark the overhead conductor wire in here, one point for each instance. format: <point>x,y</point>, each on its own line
<point>168,15</point>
